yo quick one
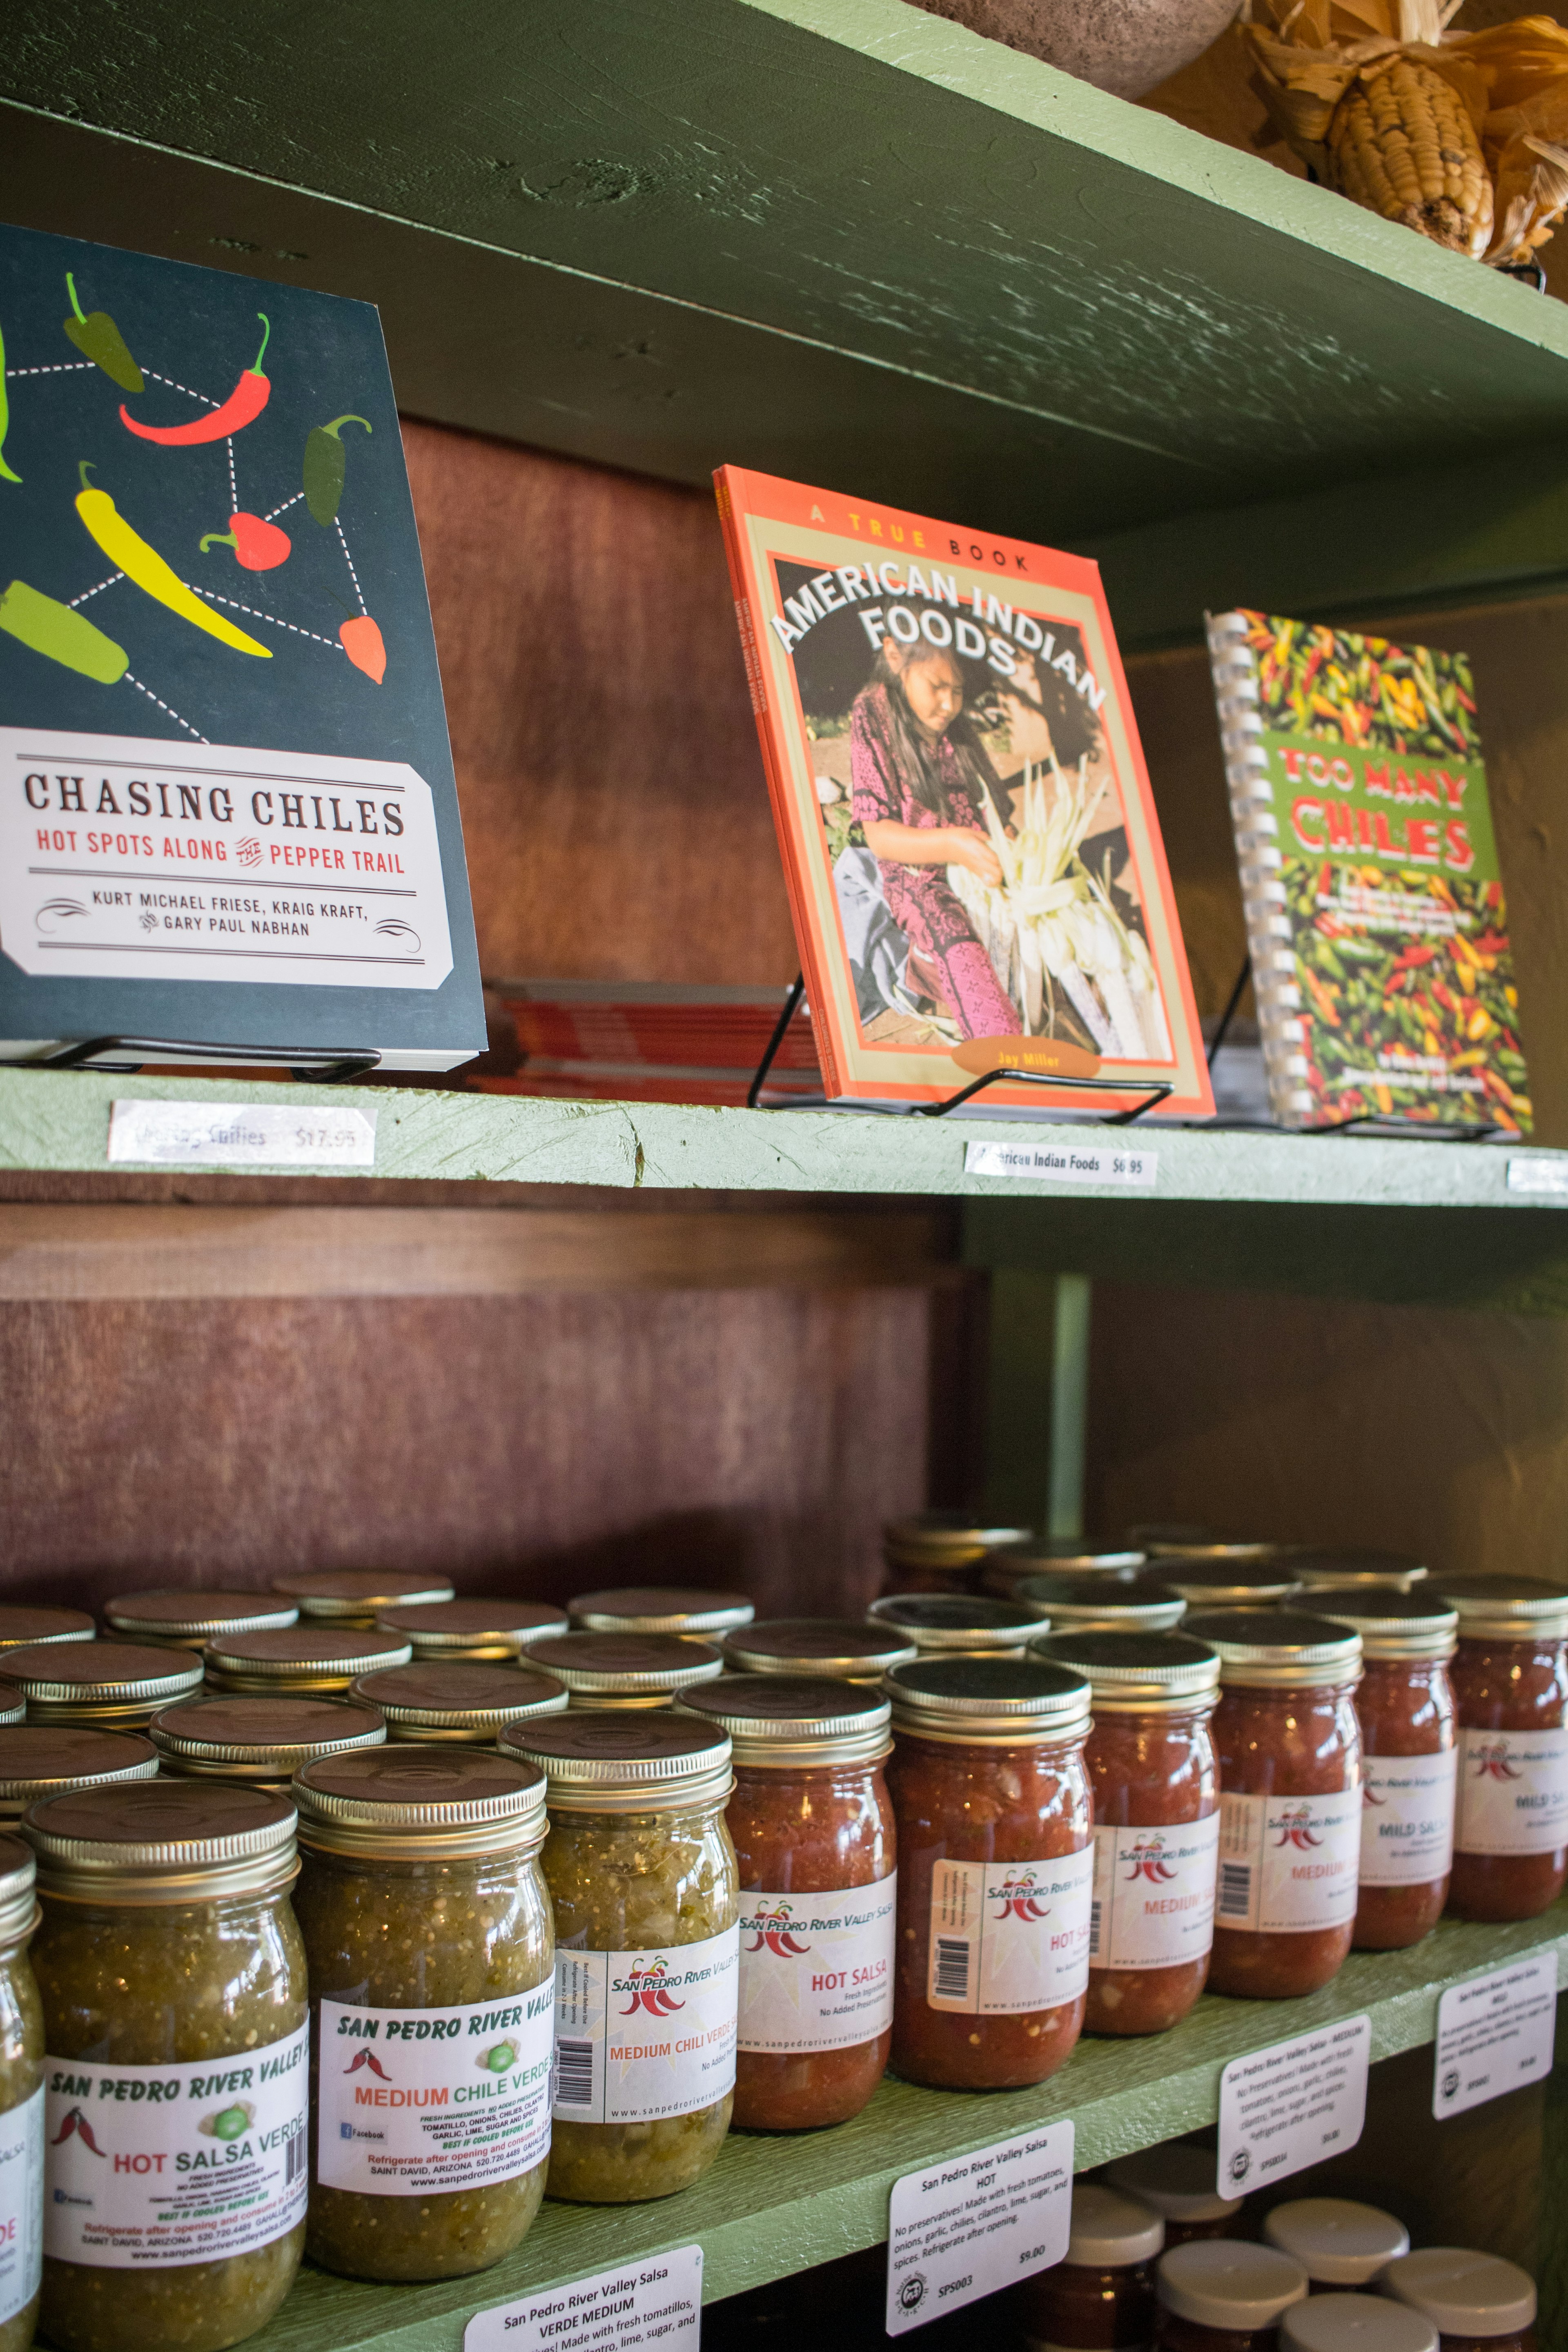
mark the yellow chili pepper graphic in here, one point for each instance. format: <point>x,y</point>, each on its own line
<point>146,567</point>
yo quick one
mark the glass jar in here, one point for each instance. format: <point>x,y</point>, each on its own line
<point>1177,2180</point>
<point>257,1743</point>
<point>1112,1604</point>
<point>1220,2295</point>
<point>642,1875</point>
<point>1354,2323</point>
<point>636,1670</point>
<point>1005,1571</point>
<point>835,1649</point>
<point>942,1552</point>
<point>356,1596</point>
<point>470,1629</point>
<point>1156,1779</point>
<point>462,1702</point>
<point>997,1869</point>
<point>1356,1571</point>
<point>958,1625</point>
<point>662,1608</point>
<point>1337,2242</point>
<point>432,1985</point>
<point>1100,2297</point>
<point>1510,1687</point>
<point>812,1824</point>
<point>308,1661</point>
<point>22,1627</point>
<point>1290,1801</point>
<point>1266,1584</point>
<point>188,1621</point>
<point>106,1686</point>
<point>1477,2303</point>
<point>39,1760</point>
<point>21,2104</point>
<point>1173,1539</point>
<point>1409,1752</point>
<point>173,1976</point>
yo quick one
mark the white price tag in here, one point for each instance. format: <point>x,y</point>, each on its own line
<point>657,2300</point>
<point>962,2230</point>
<point>1059,1163</point>
<point>1540,1175</point>
<point>240,1134</point>
<point>1493,2035</point>
<point>1293,2103</point>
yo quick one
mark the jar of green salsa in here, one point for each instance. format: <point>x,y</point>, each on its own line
<point>21,2104</point>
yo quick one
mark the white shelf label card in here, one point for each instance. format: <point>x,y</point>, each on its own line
<point>959,2230</point>
<point>656,2300</point>
<point>240,1134</point>
<point>1059,1163</point>
<point>1288,2106</point>
<point>1493,2035</point>
<point>1540,1173</point>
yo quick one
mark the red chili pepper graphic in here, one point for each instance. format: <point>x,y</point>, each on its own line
<point>1293,1831</point>
<point>1019,1900</point>
<point>1370,1795</point>
<point>244,405</point>
<point>75,2121</point>
<point>648,1993</point>
<point>773,1930</point>
<point>364,646</point>
<point>367,2058</point>
<point>1492,1763</point>
<point>1149,1861</point>
<point>258,544</point>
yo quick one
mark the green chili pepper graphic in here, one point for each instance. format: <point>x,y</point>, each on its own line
<point>65,636</point>
<point>100,341</point>
<point>326,462</point>
<point>6,473</point>
<point>231,2124</point>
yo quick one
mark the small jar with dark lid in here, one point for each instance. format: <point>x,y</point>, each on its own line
<point>172,1971</point>
<point>1220,2295</point>
<point>1100,2297</point>
<point>812,1824</point>
<point>1355,2322</point>
<point>942,1552</point>
<point>1477,2303</point>
<point>662,1608</point>
<point>1266,1583</point>
<point>1005,1571</point>
<point>109,1686</point>
<point>835,1649</point>
<point>1355,1571</point>
<point>997,1869</point>
<point>1290,1800</point>
<point>22,2131</point>
<point>1337,2242</point>
<point>1177,2180</point>
<point>257,1742</point>
<point>1509,1674</point>
<point>642,1875</point>
<point>954,1626</point>
<point>1110,1604</point>
<point>432,1966</point>
<point>24,1627</point>
<point>457,1702</point>
<point>625,1670</point>
<point>38,1759</point>
<point>357,1596</point>
<point>308,1661</point>
<point>188,1621</point>
<point>471,1629</point>
<point>1156,1779</point>
<point>1405,1708</point>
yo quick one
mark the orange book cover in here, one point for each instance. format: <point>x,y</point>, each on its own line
<point>973,860</point>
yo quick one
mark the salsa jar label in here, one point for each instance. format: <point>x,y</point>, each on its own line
<point>152,2167</point>
<point>1009,1936</point>
<point>21,2204</point>
<point>416,2102</point>
<point>1153,1895</point>
<point>640,2036</point>
<point>1289,1864</point>
<point>816,1970</point>
<point>1513,1792</point>
<point>1408,1819</point>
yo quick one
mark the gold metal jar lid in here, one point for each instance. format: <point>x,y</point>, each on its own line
<point>416,1803</point>
<point>1490,1608</point>
<point>1056,1556</point>
<point>1171,1540</point>
<point>117,1685</point>
<point>18,1908</point>
<point>1279,1649</point>
<point>994,1702</point>
<point>627,1670</point>
<point>953,1624</point>
<point>160,1842</point>
<point>471,1628</point>
<point>1354,1571</point>
<point>1392,1625</point>
<point>356,1596</point>
<point>24,1627</point>
<point>453,1700</point>
<point>186,1621</point>
<point>947,1538</point>
<point>1122,1604</point>
<point>1229,1584</point>
<point>609,1761</point>
<point>309,1658</point>
<point>259,1740</point>
<point>660,1609</point>
<point>1137,1674</point>
<point>13,1708</point>
<point>38,1759</point>
<point>782,1722</point>
<point>839,1648</point>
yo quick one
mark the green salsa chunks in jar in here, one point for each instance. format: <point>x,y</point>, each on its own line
<point>21,2104</point>
<point>642,1874</point>
<point>175,2020</point>
<point>432,1958</point>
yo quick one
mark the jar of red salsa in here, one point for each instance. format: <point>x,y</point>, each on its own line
<point>836,1648</point>
<point>969,1625</point>
<point>1220,2295</point>
<point>1005,1571</point>
<point>1405,1708</point>
<point>1290,1801</point>
<point>812,1824</point>
<point>1477,2303</point>
<point>941,1551</point>
<point>1100,2297</point>
<point>996,1868</point>
<point>1118,1604</point>
<point>1177,2180</point>
<point>1510,1687</point>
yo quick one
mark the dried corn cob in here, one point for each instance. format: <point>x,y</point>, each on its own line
<point>1401,142</point>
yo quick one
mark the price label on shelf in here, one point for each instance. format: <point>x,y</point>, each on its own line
<point>1493,2035</point>
<point>657,2300</point>
<point>960,2230</point>
<point>240,1134</point>
<point>1293,2103</point>
<point>1058,1163</point>
<point>1541,1172</point>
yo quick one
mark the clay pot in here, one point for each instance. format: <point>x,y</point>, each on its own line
<point>1122,45</point>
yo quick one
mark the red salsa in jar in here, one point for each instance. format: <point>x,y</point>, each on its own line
<point>839,1648</point>
<point>1100,2297</point>
<point>1477,2303</point>
<point>1290,1800</point>
<point>812,1824</point>
<point>996,1870</point>
<point>1221,2294</point>
<point>954,1625</point>
<point>1156,1779</point>
<point>1177,2180</point>
<point>1510,1688</point>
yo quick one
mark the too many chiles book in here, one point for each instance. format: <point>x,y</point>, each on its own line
<point>1376,914</point>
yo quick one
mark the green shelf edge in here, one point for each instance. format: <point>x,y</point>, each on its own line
<point>776,2204</point>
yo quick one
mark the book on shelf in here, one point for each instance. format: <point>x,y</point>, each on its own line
<point>1376,919</point>
<point>973,861</point>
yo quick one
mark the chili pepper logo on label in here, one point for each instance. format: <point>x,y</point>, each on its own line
<point>75,2121</point>
<point>1294,1829</point>
<point>228,2123</point>
<point>1148,1860</point>
<point>1492,1763</point>
<point>1017,1896</point>
<point>367,2058</point>
<point>773,1931</point>
<point>648,1990</point>
<point>497,2060</point>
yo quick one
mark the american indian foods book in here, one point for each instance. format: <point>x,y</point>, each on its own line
<point>1376,919</point>
<point>973,855</point>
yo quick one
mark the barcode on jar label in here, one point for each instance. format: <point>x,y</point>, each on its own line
<point>574,2085</point>
<point>1009,1936</point>
<point>1236,1892</point>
